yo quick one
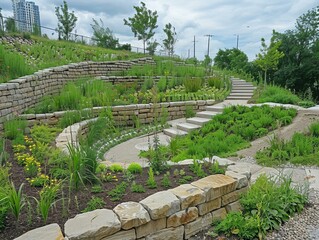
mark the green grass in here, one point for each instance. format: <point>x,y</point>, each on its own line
<point>279,95</point>
<point>22,59</point>
<point>302,149</point>
<point>228,132</point>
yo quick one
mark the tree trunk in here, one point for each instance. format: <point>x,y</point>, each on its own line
<point>144,46</point>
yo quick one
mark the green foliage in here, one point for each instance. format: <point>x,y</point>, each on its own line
<point>4,156</point>
<point>15,200</point>
<point>301,149</point>
<point>12,65</point>
<point>103,35</point>
<point>66,21</point>
<point>137,188</point>
<point>135,168</point>
<point>266,205</point>
<point>96,189</point>
<point>116,168</point>
<point>171,38</point>
<point>143,23</point>
<point>185,179</point>
<point>231,59</point>
<point>215,82</point>
<point>216,169</point>
<point>151,183</point>
<point>43,133</point>
<point>196,168</point>
<point>193,84</point>
<point>189,112</point>
<point>118,192</point>
<point>71,117</point>
<point>228,132</point>
<point>47,199</point>
<point>93,204</point>
<point>166,182</point>
<point>14,129</point>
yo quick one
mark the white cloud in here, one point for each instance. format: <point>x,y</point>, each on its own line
<point>222,18</point>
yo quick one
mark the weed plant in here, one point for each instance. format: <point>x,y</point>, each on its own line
<point>151,183</point>
<point>93,204</point>
<point>118,192</point>
<point>15,200</point>
<point>137,188</point>
<point>14,129</point>
<point>193,84</point>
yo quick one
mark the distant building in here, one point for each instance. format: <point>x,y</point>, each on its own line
<point>26,16</point>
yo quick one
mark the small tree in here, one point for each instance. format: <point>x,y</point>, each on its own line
<point>10,25</point>
<point>67,21</point>
<point>269,56</point>
<point>151,47</point>
<point>170,40</point>
<point>143,23</point>
<point>103,35</point>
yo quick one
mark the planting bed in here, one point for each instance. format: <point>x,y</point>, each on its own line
<point>69,203</point>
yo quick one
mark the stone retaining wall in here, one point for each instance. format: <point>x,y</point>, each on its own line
<point>127,114</point>
<point>177,213</point>
<point>24,92</point>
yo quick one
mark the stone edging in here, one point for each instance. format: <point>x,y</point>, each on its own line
<point>181,213</point>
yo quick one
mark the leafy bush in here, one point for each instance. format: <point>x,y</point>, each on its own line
<point>215,82</point>
<point>166,182</point>
<point>189,112</point>
<point>151,183</point>
<point>116,168</point>
<point>118,192</point>
<point>266,205</point>
<point>135,168</point>
<point>43,133</point>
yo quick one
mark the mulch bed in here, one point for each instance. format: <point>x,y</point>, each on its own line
<point>77,201</point>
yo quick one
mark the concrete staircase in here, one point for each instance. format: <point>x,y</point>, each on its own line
<point>241,90</point>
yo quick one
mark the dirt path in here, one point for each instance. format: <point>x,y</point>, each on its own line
<point>300,124</point>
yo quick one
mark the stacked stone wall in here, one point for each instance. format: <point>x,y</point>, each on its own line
<point>181,213</point>
<point>19,94</point>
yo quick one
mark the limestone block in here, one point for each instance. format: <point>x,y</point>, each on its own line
<point>189,195</point>
<point>48,232</point>
<point>161,204</point>
<point>242,180</point>
<point>233,196</point>
<point>243,169</point>
<point>92,225</point>
<point>234,207</point>
<point>219,214</point>
<point>198,225</point>
<point>131,214</point>
<point>168,234</point>
<point>182,217</point>
<point>150,227</point>
<point>216,185</point>
<point>209,206</point>
<point>127,235</point>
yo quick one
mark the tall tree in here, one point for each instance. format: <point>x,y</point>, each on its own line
<point>170,40</point>
<point>10,25</point>
<point>143,23</point>
<point>103,35</point>
<point>233,59</point>
<point>268,58</point>
<point>67,21</point>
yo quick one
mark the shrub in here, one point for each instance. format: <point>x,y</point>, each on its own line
<point>135,168</point>
<point>215,82</point>
<point>118,192</point>
<point>43,133</point>
<point>94,203</point>
<point>138,188</point>
<point>166,182</point>
<point>189,112</point>
<point>193,84</point>
<point>116,168</point>
<point>151,183</point>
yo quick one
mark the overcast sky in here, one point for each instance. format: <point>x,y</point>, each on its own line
<point>225,19</point>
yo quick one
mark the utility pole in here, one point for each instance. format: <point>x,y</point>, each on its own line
<point>209,36</point>
<point>237,40</point>
<point>194,47</point>
<point>1,22</point>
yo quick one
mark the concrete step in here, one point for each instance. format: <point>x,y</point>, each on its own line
<point>197,120</point>
<point>242,91</point>
<point>187,127</point>
<point>240,94</point>
<point>206,114</point>
<point>173,132</point>
<point>215,108</point>
<point>237,98</point>
<point>243,88</point>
